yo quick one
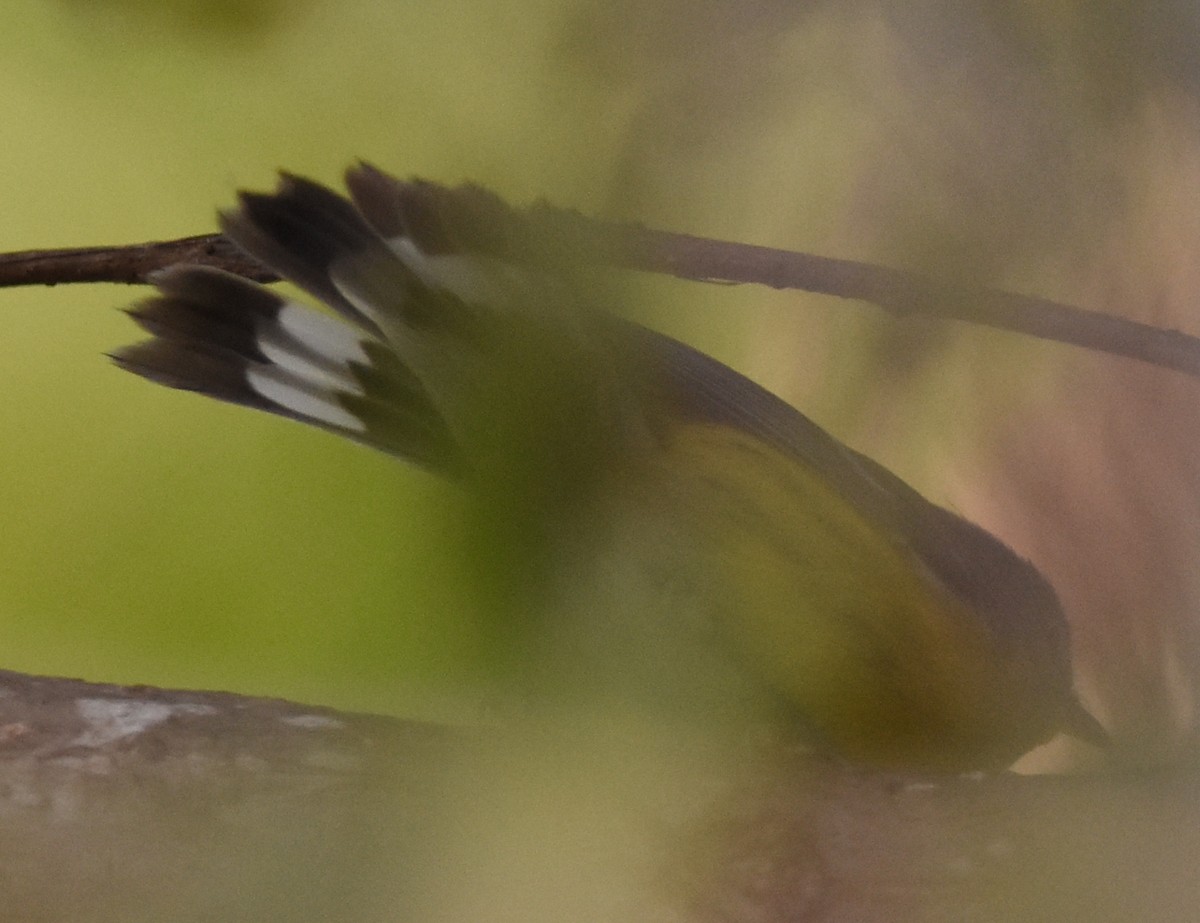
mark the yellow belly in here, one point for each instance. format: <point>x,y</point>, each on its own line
<point>840,618</point>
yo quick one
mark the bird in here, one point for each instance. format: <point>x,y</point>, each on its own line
<point>682,528</point>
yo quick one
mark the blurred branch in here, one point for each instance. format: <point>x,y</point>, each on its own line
<point>476,220</point>
<point>131,264</point>
<point>141,803</point>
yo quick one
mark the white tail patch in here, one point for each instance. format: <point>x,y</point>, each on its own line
<point>322,334</point>
<point>314,348</point>
<point>302,397</point>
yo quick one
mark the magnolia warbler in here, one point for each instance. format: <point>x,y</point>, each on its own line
<point>893,631</point>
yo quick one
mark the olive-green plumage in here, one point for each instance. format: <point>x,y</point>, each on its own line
<point>685,535</point>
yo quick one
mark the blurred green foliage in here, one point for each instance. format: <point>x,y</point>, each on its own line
<point>160,538</point>
<point>191,20</point>
<point>155,537</point>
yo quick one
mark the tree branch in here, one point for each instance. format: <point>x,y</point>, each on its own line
<point>477,220</point>
<point>124,803</point>
<point>131,264</point>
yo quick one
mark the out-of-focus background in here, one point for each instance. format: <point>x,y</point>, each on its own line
<point>154,537</point>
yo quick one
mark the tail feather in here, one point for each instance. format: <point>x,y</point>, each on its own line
<point>301,231</point>
<point>400,210</point>
<point>223,336</point>
<point>190,367</point>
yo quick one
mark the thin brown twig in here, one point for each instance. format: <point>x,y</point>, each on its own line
<point>478,220</point>
<point>131,264</point>
<point>908,293</point>
<point>569,234</point>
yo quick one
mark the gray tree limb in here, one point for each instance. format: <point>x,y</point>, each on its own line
<point>135,803</point>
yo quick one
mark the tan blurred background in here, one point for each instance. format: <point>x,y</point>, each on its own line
<point>1052,148</point>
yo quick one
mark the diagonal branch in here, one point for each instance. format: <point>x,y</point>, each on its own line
<point>476,220</point>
